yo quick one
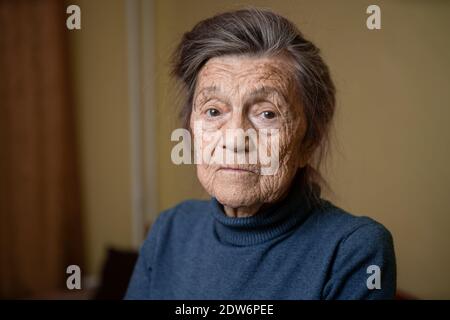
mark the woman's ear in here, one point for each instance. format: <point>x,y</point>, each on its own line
<point>304,155</point>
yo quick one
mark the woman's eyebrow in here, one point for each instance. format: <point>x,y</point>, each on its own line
<point>209,91</point>
<point>264,92</point>
<point>259,93</point>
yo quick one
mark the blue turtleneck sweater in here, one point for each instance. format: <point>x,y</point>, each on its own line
<point>289,251</point>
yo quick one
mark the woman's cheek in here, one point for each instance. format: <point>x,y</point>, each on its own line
<point>272,187</point>
<point>205,174</point>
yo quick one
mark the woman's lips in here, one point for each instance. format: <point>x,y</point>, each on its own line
<point>238,169</point>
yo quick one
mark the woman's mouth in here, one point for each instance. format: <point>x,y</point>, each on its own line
<point>238,169</point>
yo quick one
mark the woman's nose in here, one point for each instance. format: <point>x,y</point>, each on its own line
<point>235,140</point>
<point>235,137</point>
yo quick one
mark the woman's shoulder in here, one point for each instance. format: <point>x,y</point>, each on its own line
<point>358,246</point>
<point>335,222</point>
<point>184,215</point>
<point>186,207</point>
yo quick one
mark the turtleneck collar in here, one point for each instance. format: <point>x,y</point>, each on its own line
<point>265,225</point>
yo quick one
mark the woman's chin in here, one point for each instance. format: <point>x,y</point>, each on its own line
<point>231,189</point>
<point>235,197</point>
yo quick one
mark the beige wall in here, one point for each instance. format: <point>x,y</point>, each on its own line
<point>99,64</point>
<point>391,154</point>
<point>390,151</point>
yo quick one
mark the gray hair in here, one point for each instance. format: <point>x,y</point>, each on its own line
<point>262,32</point>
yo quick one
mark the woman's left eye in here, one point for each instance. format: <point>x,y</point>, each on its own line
<point>268,114</point>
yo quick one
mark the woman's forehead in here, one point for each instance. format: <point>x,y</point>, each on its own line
<point>246,73</point>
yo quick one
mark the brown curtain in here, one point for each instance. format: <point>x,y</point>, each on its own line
<point>40,227</point>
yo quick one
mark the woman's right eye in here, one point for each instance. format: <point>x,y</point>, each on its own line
<point>212,112</point>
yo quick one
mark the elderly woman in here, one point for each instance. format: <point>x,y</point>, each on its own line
<point>261,236</point>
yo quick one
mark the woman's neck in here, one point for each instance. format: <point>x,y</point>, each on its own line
<point>242,212</point>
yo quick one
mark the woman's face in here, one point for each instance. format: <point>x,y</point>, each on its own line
<point>236,94</point>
